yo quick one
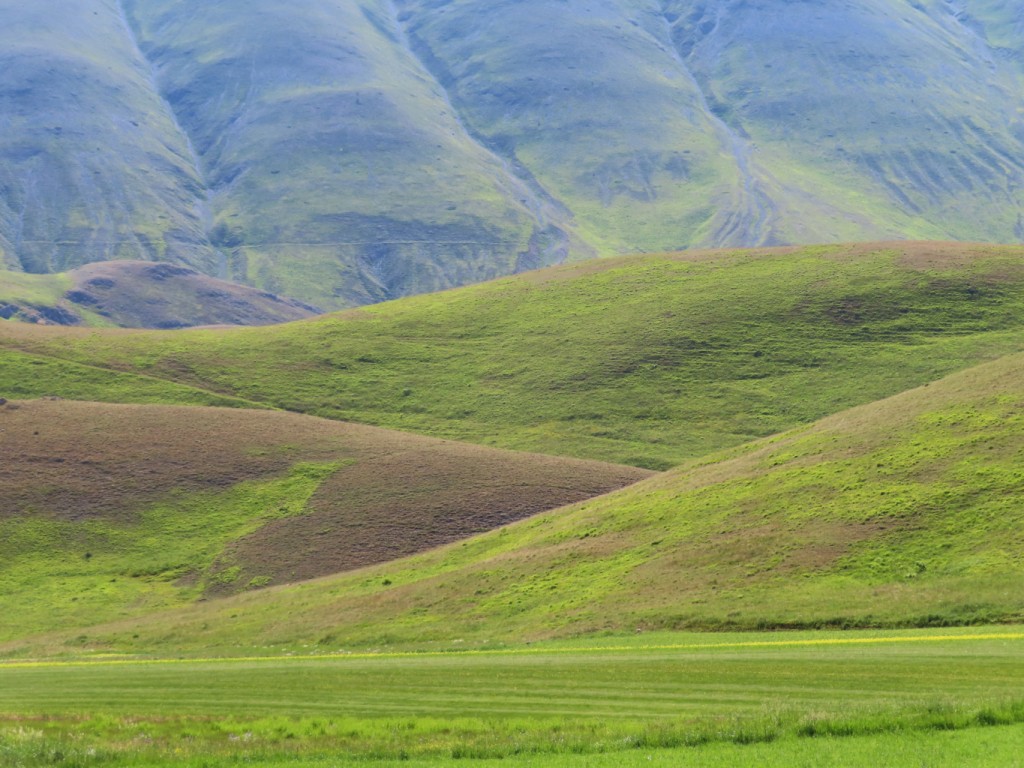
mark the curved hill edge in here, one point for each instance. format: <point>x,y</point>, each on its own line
<point>141,294</point>
<point>647,360</point>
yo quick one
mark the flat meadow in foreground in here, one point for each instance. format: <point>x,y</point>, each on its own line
<point>665,699</point>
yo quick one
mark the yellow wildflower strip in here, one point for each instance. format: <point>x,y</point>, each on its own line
<point>829,641</point>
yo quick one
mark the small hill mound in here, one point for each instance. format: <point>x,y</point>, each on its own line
<point>904,512</point>
<point>109,510</point>
<point>139,294</point>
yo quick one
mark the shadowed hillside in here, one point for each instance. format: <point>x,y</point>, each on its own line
<point>899,513</point>
<point>645,360</point>
<point>114,510</point>
<point>140,294</point>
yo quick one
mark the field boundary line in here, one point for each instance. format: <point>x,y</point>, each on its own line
<point>833,641</point>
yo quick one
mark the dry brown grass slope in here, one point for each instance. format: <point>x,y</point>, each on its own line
<point>96,470</point>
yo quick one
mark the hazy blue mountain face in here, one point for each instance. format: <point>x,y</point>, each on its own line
<point>92,163</point>
<point>349,151</point>
<point>896,113</point>
<point>594,99</point>
<point>335,166</point>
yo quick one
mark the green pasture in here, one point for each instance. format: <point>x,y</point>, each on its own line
<point>645,360</point>
<point>38,289</point>
<point>896,514</point>
<point>977,747</point>
<point>140,567</point>
<point>27,376</point>
<point>793,694</point>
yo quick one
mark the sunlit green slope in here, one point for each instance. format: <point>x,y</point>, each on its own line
<point>644,360</point>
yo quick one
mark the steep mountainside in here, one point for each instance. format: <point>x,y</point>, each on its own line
<point>351,151</point>
<point>140,294</point>
<point>315,112</point>
<point>93,164</point>
<point>118,510</point>
<point>899,513</point>
<point>645,360</point>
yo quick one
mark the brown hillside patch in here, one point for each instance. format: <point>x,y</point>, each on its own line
<point>141,294</point>
<point>398,493</point>
<point>423,496</point>
<point>942,255</point>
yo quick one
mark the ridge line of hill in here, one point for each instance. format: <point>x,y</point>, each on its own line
<point>420,51</point>
<point>201,196</point>
<point>154,83</point>
<point>119,509</point>
<point>646,360</point>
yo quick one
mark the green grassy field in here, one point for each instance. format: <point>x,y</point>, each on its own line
<point>29,376</point>
<point>632,696</point>
<point>979,748</point>
<point>645,360</point>
<point>39,289</point>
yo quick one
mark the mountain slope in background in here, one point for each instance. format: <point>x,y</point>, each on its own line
<point>333,161</point>
<point>93,165</point>
<point>350,151</point>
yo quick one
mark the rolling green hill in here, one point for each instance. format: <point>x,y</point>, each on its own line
<point>899,513</point>
<point>29,376</point>
<point>119,510</point>
<point>646,360</point>
<point>352,152</point>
